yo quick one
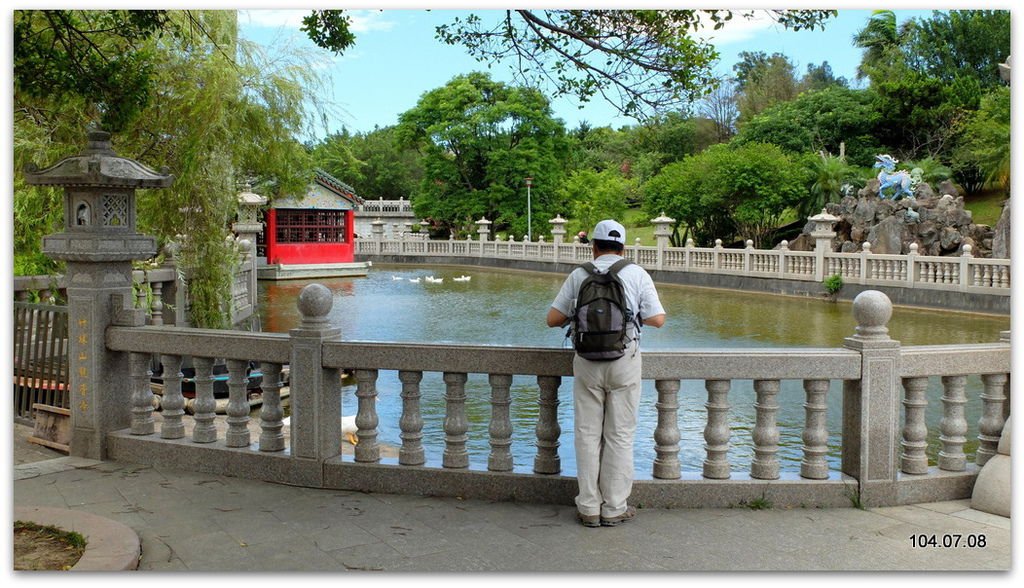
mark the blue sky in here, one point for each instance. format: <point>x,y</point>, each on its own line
<point>396,58</point>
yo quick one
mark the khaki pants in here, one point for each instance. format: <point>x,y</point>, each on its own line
<point>606,395</point>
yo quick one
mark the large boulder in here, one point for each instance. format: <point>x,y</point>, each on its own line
<point>935,219</point>
<point>1001,237</point>
<point>887,237</point>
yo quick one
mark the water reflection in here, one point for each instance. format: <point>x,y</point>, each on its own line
<point>508,308</point>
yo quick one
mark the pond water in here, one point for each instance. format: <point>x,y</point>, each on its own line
<point>508,308</point>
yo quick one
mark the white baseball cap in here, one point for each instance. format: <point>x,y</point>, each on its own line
<point>609,230</point>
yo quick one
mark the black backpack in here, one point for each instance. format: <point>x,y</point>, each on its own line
<point>601,318</point>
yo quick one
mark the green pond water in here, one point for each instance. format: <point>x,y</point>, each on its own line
<point>508,308</point>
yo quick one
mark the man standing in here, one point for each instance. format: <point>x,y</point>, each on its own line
<point>606,392</point>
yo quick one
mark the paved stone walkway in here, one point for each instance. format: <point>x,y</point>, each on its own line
<point>203,522</point>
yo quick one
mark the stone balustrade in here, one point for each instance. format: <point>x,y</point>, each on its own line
<point>885,459</point>
<point>958,283</point>
<point>961,274</point>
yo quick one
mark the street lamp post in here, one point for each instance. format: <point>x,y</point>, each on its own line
<point>529,219</point>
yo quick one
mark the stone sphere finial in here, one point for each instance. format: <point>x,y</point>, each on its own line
<point>872,310</point>
<point>315,303</point>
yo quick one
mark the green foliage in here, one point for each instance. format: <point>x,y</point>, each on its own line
<point>640,61</point>
<point>921,115</point>
<point>329,29</point>
<point>833,284</point>
<point>961,44</point>
<point>728,191</point>
<point>224,111</point>
<point>593,196</point>
<point>986,144</point>
<point>828,174</point>
<point>480,139</point>
<point>932,171</point>
<point>765,81</point>
<point>61,52</point>
<point>882,40</point>
<point>373,163</point>
<point>820,120</point>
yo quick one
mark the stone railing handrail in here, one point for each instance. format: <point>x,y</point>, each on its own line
<point>961,273</point>
<point>396,206</point>
<point>315,356</point>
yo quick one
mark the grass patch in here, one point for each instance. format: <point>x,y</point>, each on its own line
<point>638,224</point>
<point>985,206</point>
<point>43,547</point>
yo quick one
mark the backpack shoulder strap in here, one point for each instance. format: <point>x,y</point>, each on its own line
<point>617,266</point>
<point>590,268</point>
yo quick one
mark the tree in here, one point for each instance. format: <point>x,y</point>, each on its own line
<point>763,81</point>
<point>101,57</point>
<point>720,107</point>
<point>822,120</point>
<point>640,61</point>
<point>959,44</point>
<point>829,175</point>
<point>592,196</point>
<point>987,139</point>
<point>480,139</point>
<point>373,163</point>
<point>728,191</point>
<point>819,77</point>
<point>882,41</point>
<point>223,114</point>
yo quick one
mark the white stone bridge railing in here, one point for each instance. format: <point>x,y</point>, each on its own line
<point>885,457</point>
<point>964,273</point>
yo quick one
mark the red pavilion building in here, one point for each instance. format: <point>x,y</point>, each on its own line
<point>312,235</point>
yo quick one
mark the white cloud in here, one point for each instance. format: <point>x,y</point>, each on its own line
<point>738,29</point>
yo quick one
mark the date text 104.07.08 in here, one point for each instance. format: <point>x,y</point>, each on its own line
<point>948,540</point>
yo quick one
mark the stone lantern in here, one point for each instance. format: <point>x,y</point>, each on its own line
<point>99,243</point>
<point>558,229</point>
<point>99,204</point>
<point>483,228</point>
<point>248,228</point>
<point>822,234</point>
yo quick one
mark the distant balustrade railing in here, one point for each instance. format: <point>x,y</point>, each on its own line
<point>962,273</point>
<point>385,206</point>
<point>315,363</point>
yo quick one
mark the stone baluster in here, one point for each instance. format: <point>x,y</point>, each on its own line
<point>173,403</point>
<point>500,459</point>
<point>915,431</point>
<point>141,300</point>
<point>205,407</point>
<point>455,423</point>
<point>872,403</point>
<point>315,389</point>
<point>411,422</point>
<point>548,430</point>
<point>990,425</point>
<point>783,257</point>
<point>158,303</point>
<point>666,434</point>
<point>963,269</point>
<point>238,404</point>
<point>142,394</point>
<point>953,426</point>
<point>765,465</point>
<point>367,450</point>
<point>716,432</point>
<point>814,465</point>
<point>271,414</point>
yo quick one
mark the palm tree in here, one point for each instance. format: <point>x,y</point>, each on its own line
<point>829,174</point>
<point>882,40</point>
